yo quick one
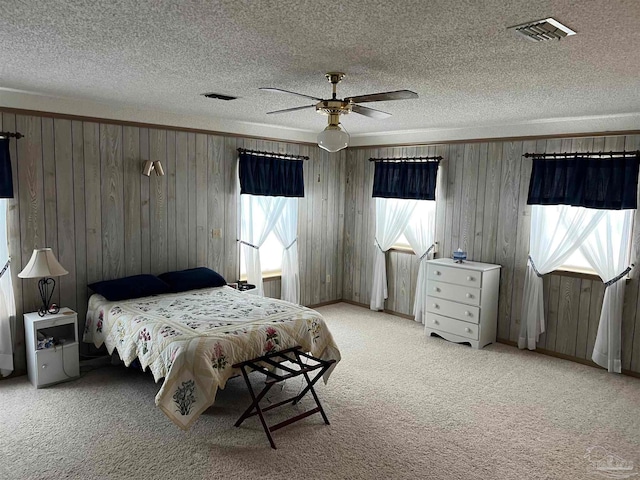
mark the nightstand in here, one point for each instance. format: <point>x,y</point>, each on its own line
<point>56,360</point>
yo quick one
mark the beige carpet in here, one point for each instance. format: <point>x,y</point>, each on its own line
<point>401,405</point>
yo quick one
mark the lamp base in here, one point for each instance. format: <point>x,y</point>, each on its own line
<point>46,295</point>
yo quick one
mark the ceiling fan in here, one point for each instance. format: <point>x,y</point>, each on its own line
<point>334,138</point>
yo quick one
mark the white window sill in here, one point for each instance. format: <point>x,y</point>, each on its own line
<point>583,273</point>
<point>402,249</point>
<point>266,276</point>
<point>576,273</point>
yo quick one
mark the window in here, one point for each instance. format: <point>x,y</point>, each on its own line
<point>270,188</point>
<point>270,257</point>
<point>425,208</point>
<point>268,232</point>
<point>402,243</point>
<point>258,212</point>
<point>577,262</point>
<point>564,187</point>
<point>7,301</point>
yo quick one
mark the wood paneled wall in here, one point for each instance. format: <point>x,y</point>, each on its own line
<point>482,208</point>
<point>79,189</point>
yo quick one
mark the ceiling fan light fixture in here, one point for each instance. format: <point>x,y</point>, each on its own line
<point>333,138</point>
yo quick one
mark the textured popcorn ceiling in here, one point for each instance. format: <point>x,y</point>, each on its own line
<point>459,57</point>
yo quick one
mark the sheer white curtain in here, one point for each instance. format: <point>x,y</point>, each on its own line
<point>259,216</point>
<point>606,251</point>
<point>7,301</point>
<point>392,217</point>
<point>286,229</point>
<point>420,233</point>
<point>556,232</point>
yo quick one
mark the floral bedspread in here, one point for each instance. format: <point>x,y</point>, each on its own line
<point>192,339</point>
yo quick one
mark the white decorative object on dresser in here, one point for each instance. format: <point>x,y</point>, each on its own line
<point>52,347</point>
<point>462,301</point>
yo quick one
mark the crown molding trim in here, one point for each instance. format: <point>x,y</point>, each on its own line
<point>622,124</point>
<point>28,103</point>
<point>25,103</point>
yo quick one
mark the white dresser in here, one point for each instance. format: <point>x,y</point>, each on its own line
<point>462,301</point>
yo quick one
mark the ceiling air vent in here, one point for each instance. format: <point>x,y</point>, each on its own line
<point>218,96</point>
<point>542,30</point>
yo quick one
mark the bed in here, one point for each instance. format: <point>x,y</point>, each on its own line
<point>192,339</point>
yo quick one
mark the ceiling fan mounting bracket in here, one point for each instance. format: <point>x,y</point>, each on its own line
<point>334,77</point>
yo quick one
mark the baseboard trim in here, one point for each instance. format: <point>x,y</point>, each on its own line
<point>563,356</point>
<point>324,304</point>
<point>542,351</point>
<point>15,373</point>
<point>390,312</point>
<point>510,343</point>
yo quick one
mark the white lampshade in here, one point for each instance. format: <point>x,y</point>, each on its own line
<point>333,138</point>
<point>43,263</point>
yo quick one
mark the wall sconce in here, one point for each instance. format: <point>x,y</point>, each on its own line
<point>149,166</point>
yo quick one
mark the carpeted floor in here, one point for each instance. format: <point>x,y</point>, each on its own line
<point>401,406</point>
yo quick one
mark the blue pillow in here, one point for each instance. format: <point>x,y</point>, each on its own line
<point>130,287</point>
<point>192,279</point>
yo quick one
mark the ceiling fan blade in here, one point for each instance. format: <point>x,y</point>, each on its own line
<point>369,112</point>
<point>279,90</point>
<point>383,97</point>
<point>291,109</point>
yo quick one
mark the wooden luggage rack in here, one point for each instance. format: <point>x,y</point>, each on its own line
<point>295,368</point>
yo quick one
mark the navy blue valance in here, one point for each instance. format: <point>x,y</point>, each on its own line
<point>271,176</point>
<point>6,178</point>
<point>602,183</point>
<point>410,180</point>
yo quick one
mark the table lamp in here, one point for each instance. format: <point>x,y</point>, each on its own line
<point>44,265</point>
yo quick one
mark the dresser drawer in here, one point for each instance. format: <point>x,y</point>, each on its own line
<point>459,276</point>
<point>54,364</point>
<point>450,325</point>
<point>467,313</point>
<point>65,317</point>
<point>457,293</point>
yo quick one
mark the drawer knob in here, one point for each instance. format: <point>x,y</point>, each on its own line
<point>467,313</point>
<point>435,305</point>
<point>436,322</point>
<point>469,295</point>
<point>467,329</point>
<point>436,289</point>
<point>470,278</point>
<point>44,366</point>
<point>437,272</point>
